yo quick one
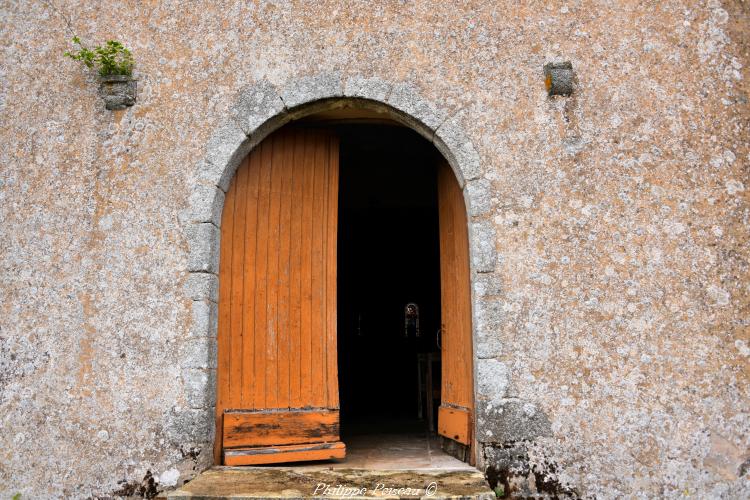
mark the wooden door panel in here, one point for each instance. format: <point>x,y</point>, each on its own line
<point>455,424</point>
<point>277,288</point>
<point>457,398</point>
<point>273,428</point>
<point>284,454</point>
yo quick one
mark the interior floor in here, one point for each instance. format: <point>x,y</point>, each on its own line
<point>391,445</point>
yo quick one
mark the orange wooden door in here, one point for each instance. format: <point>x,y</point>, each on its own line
<point>457,397</point>
<point>277,382</point>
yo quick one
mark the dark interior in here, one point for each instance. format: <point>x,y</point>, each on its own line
<point>388,251</point>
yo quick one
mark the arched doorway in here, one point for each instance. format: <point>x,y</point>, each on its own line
<point>289,323</point>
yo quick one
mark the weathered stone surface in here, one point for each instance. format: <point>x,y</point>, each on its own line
<point>521,471</point>
<point>205,309</point>
<point>367,87</point>
<point>208,173</point>
<point>482,246</point>
<point>203,243</point>
<point>478,194</point>
<point>200,387</point>
<point>511,420</point>
<point>559,78</point>
<point>255,105</point>
<point>488,320</point>
<point>118,91</point>
<point>262,483</point>
<point>202,287</point>
<point>199,353</point>
<point>406,97</point>
<point>487,284</point>
<point>451,140</point>
<point>226,148</point>
<point>492,380</point>
<point>206,202</point>
<point>617,235</point>
<point>309,88</point>
<point>190,427</point>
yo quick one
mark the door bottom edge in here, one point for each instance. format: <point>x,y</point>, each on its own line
<point>260,455</point>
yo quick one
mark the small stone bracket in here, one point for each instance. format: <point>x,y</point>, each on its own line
<point>118,91</point>
<point>558,78</point>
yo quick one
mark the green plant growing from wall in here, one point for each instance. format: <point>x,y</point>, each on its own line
<point>114,62</point>
<point>111,59</point>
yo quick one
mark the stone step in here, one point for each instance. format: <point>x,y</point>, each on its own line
<point>273,482</point>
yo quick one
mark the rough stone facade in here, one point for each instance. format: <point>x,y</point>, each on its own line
<point>609,229</point>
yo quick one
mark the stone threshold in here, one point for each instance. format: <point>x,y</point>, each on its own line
<point>245,483</point>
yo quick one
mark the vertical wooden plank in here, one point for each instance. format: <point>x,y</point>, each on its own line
<point>306,285</point>
<point>238,292</point>
<point>464,362</point>
<point>461,339</point>
<point>446,279</point>
<point>450,323</point>
<point>295,273</point>
<point>224,331</point>
<point>272,281</point>
<point>331,279</point>
<point>248,325</point>
<point>324,164</point>
<point>283,310</point>
<point>261,271</point>
<point>318,275</point>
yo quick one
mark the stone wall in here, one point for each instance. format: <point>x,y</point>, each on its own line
<point>609,228</point>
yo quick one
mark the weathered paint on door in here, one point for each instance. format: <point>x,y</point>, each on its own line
<point>455,415</point>
<point>277,382</point>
